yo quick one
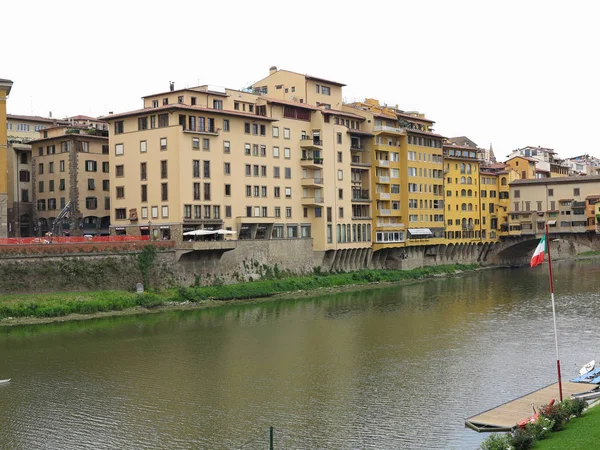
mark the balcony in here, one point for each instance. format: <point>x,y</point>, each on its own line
<point>312,201</point>
<point>384,212</point>
<point>310,142</point>
<point>387,129</point>
<point>357,162</point>
<point>467,227</point>
<point>356,180</point>
<point>384,179</point>
<point>390,225</point>
<point>317,181</point>
<point>361,218</point>
<point>315,163</point>
<point>361,196</point>
<point>383,162</point>
<point>357,148</point>
<point>383,196</point>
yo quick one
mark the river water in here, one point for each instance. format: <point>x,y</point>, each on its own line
<point>385,368</point>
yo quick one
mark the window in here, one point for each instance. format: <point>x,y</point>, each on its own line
<point>51,186</point>
<point>24,176</point>
<point>340,174</point>
<point>227,211</point>
<point>248,191</point>
<point>165,211</point>
<point>105,167</point>
<point>248,170</point>
<point>288,212</point>
<point>61,184</point>
<point>144,195</point>
<point>164,192</point>
<point>341,194</point>
<point>288,172</point>
<point>90,203</point>
<point>275,172</point>
<point>247,127</point>
<point>41,205</point>
<point>205,144</point>
<point>163,143</point>
<point>275,152</point>
<point>288,192</point>
<point>226,147</point>
<point>163,169</point>
<point>105,185</point>
<point>155,212</point>
<point>550,192</point>
<point>163,120</point>
<point>576,191</point>
<point>61,165</point>
<point>120,170</point>
<point>118,127</point>
<point>227,168</point>
<point>339,156</point>
<point>90,166</point>
<point>217,104</point>
<point>143,123</point>
<point>206,169</point>
<point>120,213</point>
<point>91,184</point>
<point>247,149</point>
<point>196,187</point>
<point>286,133</point>
<point>263,171</point>
<point>263,150</point>
<point>143,171</point>
<point>341,213</point>
<point>195,143</point>
<point>207,191</point>
<point>119,149</point>
<point>325,90</point>
<point>228,190</point>
<point>120,191</point>
<point>275,132</point>
<point>517,193</point>
<point>226,125</point>
<point>41,168</point>
<point>276,192</point>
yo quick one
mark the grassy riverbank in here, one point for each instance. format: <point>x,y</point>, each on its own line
<point>584,432</point>
<point>46,307</point>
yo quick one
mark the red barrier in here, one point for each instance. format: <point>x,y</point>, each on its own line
<point>70,239</point>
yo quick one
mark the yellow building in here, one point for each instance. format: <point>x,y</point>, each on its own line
<point>524,165</point>
<point>70,181</point>
<point>274,161</point>
<point>408,176</point>
<point>464,211</point>
<point>5,87</point>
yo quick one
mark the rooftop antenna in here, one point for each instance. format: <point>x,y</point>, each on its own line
<point>171,86</point>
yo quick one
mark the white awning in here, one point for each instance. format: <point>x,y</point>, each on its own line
<point>198,233</point>
<point>419,231</point>
<point>551,222</point>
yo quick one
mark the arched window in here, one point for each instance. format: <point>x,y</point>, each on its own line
<point>469,180</point>
<point>470,193</point>
<point>463,193</point>
<point>462,167</point>
<point>468,168</point>
<point>463,180</point>
<point>348,235</point>
<point>503,182</point>
<point>470,221</point>
<point>464,222</point>
<point>339,234</point>
<point>464,206</point>
<point>343,233</point>
<point>470,207</point>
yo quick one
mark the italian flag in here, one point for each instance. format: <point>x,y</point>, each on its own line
<point>540,251</point>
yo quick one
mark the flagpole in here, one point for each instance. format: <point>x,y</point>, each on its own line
<point>554,314</point>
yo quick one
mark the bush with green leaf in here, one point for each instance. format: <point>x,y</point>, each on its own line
<point>497,441</point>
<point>540,428</point>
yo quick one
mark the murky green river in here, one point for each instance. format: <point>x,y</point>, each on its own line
<point>387,368</point>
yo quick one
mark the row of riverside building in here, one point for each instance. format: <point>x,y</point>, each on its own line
<point>285,158</point>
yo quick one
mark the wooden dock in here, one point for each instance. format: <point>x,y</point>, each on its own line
<point>506,417</point>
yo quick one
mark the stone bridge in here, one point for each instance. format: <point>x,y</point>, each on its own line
<point>516,250</point>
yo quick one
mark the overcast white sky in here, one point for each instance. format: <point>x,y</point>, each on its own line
<point>511,73</point>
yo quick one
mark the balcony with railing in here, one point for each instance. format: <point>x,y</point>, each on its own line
<point>383,162</point>
<point>315,181</point>
<point>384,179</point>
<point>386,129</point>
<point>314,200</point>
<point>383,195</point>
<point>361,196</point>
<point>467,226</point>
<point>311,142</point>
<point>384,212</point>
<point>309,161</point>
<point>356,161</point>
<point>356,147</point>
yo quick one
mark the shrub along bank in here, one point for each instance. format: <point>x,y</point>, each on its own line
<point>62,304</point>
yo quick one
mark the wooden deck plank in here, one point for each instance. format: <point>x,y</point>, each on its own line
<point>508,415</point>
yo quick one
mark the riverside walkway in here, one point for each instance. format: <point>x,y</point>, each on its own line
<point>508,415</point>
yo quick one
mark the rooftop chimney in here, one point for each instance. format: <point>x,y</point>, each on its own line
<point>272,70</point>
<point>171,86</point>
